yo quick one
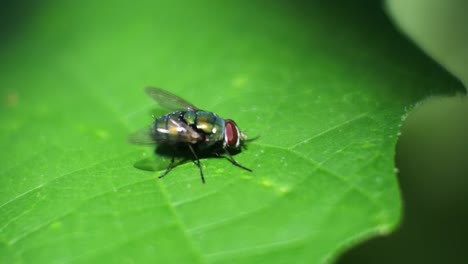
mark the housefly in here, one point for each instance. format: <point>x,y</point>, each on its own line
<point>188,126</point>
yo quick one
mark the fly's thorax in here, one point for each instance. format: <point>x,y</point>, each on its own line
<point>190,117</point>
<point>211,125</point>
<point>208,122</point>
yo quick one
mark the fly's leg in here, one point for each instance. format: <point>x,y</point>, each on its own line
<point>234,162</point>
<point>169,168</point>
<point>197,162</point>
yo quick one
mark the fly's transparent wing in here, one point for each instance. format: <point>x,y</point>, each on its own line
<point>142,137</point>
<point>169,100</point>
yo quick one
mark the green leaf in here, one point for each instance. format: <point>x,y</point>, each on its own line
<point>325,86</point>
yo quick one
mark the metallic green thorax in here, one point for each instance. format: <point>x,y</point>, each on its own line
<point>211,124</point>
<point>167,128</point>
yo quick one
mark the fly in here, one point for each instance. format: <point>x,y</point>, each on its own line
<point>188,126</point>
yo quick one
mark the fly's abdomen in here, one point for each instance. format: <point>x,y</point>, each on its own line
<point>172,129</point>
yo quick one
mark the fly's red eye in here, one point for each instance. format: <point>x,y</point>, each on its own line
<point>232,134</point>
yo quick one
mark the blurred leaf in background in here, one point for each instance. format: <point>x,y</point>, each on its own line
<point>437,27</point>
<point>432,153</point>
<point>325,86</point>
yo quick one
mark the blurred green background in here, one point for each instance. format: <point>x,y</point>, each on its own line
<point>431,152</point>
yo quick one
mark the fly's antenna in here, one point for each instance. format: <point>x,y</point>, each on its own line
<point>244,146</point>
<point>252,139</point>
<point>247,139</point>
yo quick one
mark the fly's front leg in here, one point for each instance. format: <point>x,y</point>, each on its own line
<point>234,162</point>
<point>197,162</point>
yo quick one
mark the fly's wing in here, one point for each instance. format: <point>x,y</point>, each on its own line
<point>142,137</point>
<point>169,100</point>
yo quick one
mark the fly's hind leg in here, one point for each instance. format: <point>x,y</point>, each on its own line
<point>234,162</point>
<point>197,162</point>
<point>169,168</point>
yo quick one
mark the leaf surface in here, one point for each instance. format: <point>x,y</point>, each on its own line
<point>324,85</point>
